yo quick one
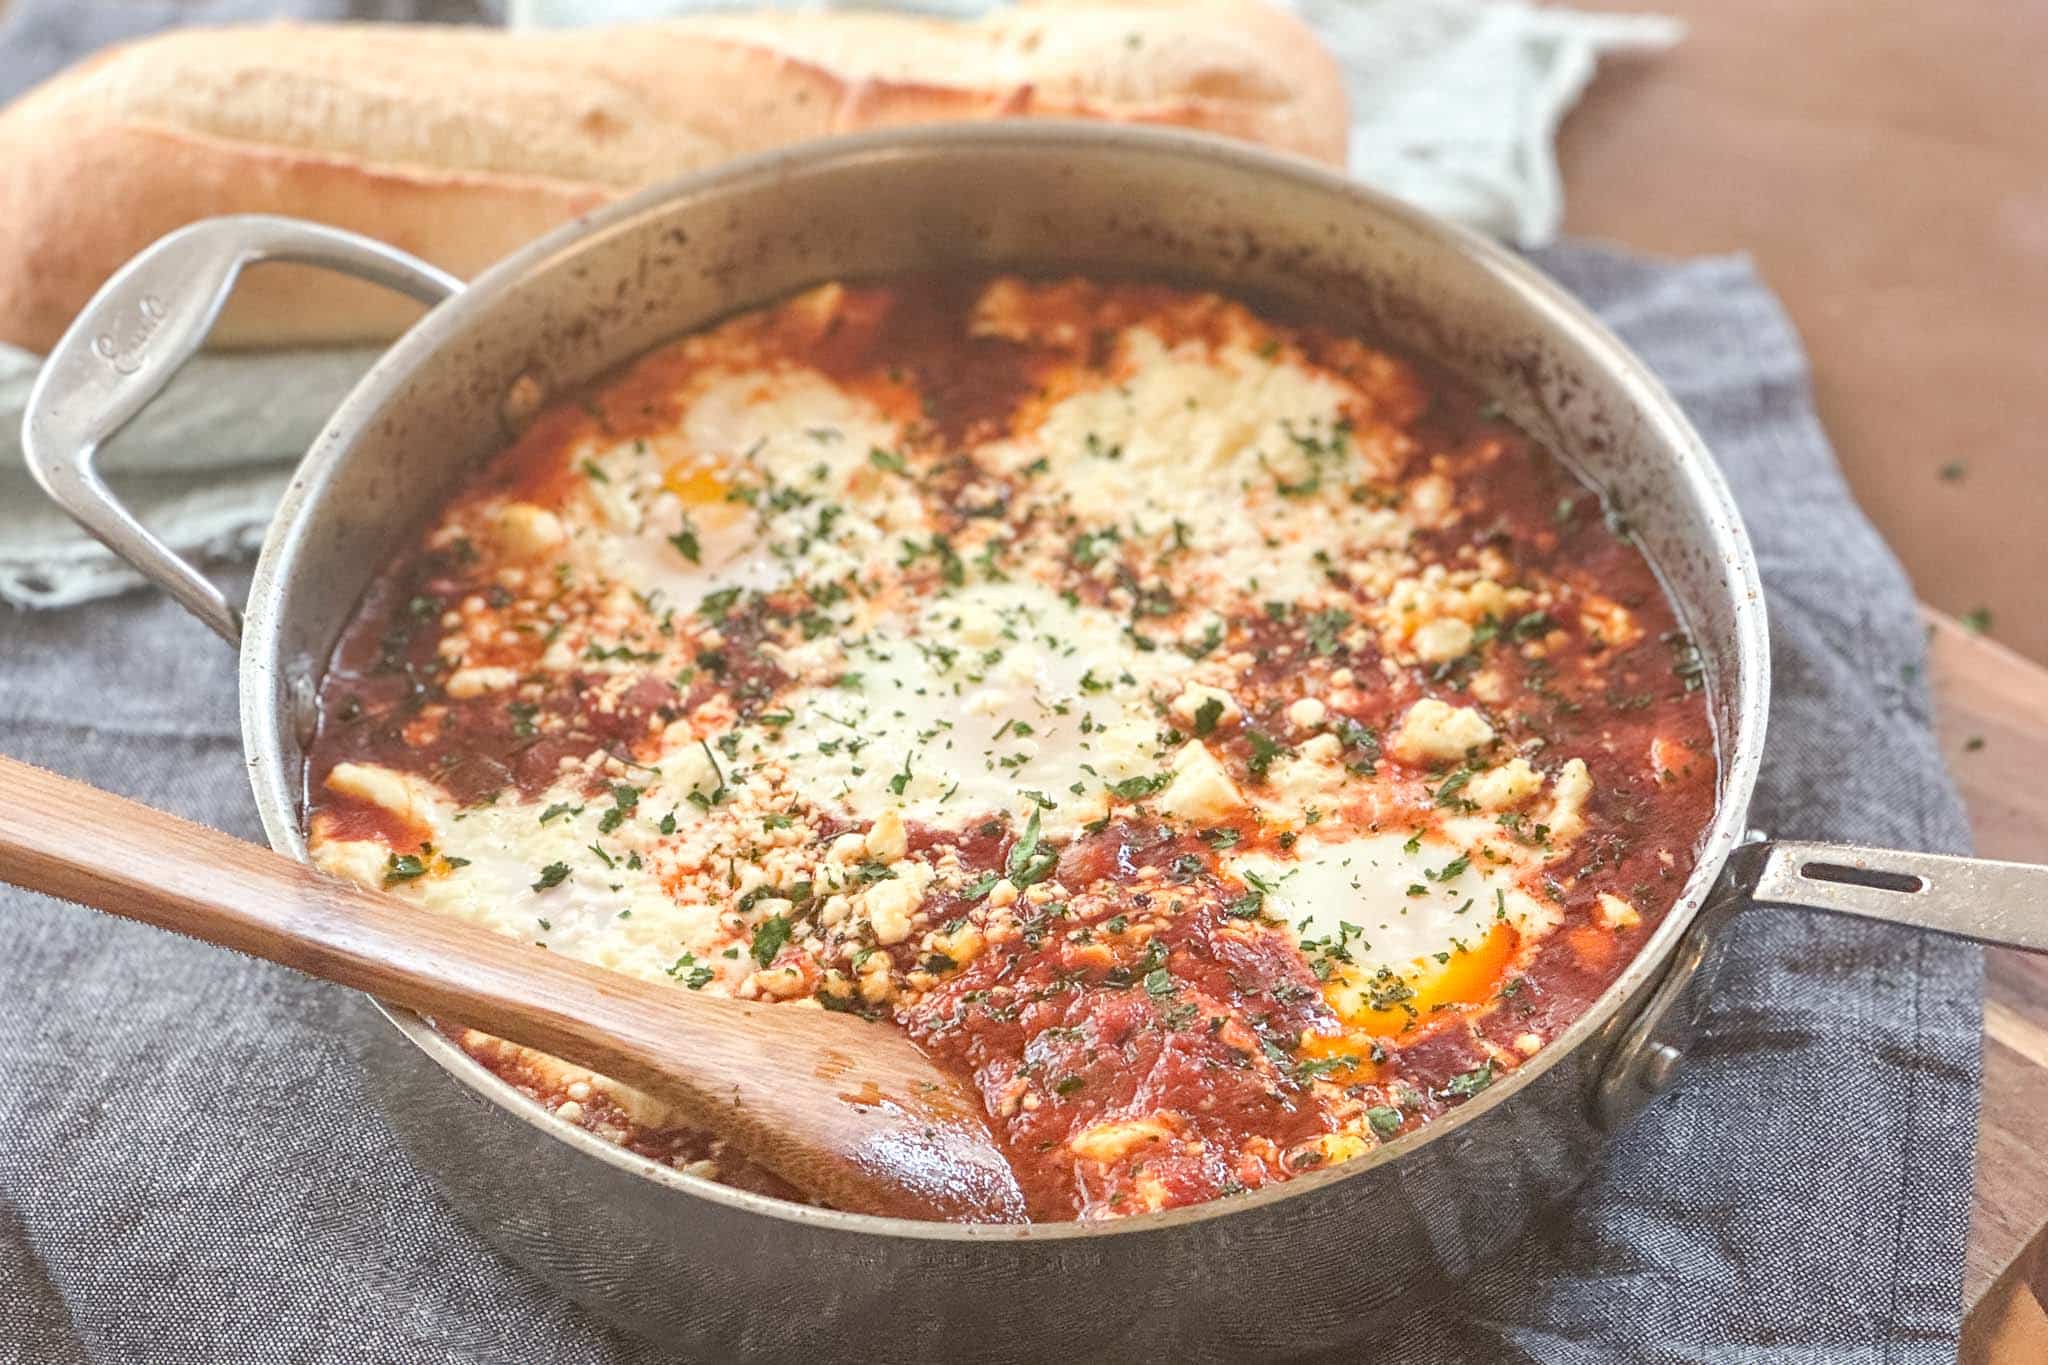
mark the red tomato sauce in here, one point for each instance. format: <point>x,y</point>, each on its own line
<point>1152,994</point>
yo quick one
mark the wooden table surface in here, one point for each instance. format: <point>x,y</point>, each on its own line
<point>1887,167</point>
<point>1993,714</point>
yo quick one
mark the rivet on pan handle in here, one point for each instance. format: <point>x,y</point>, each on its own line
<point>141,327</point>
<point>1650,1049</point>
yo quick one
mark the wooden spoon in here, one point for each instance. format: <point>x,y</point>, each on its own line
<point>847,1111</point>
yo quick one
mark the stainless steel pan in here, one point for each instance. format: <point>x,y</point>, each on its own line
<point>717,1272</point>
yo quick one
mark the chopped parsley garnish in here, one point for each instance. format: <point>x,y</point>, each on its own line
<point>1028,863</point>
<point>403,867</point>
<point>1361,741</point>
<point>620,654</point>
<point>1385,1121</point>
<point>1300,488</point>
<point>1687,665</point>
<point>952,569</point>
<point>716,604</point>
<point>1268,885</point>
<point>1451,870</point>
<point>1306,1071</point>
<point>1324,627</point>
<point>690,972</point>
<point>624,799</point>
<point>554,874</point>
<point>686,545</point>
<point>1206,716</point>
<point>1387,991</point>
<point>1089,548</point>
<point>889,460</point>
<point>1212,636</point>
<point>1137,788</point>
<point>950,566</point>
<point>1469,1083</point>
<point>1264,750</point>
<point>704,800</point>
<point>1447,793</point>
<point>1247,906</point>
<point>769,936</point>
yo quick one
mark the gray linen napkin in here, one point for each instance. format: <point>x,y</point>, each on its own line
<point>190,1171</point>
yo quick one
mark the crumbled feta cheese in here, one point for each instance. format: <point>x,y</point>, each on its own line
<point>1199,789</point>
<point>1437,732</point>
<point>1306,713</point>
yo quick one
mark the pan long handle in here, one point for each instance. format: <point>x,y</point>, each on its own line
<point>1999,903</point>
<point>141,327</point>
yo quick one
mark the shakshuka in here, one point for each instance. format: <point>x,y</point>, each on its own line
<point>1230,743</point>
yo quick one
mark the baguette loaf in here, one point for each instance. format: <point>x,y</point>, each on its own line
<point>461,144</point>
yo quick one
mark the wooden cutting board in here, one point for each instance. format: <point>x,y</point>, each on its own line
<point>1992,708</point>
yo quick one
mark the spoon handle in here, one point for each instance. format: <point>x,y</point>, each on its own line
<point>849,1112</point>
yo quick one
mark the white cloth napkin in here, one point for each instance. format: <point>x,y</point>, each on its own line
<point>1455,106</point>
<point>1455,103</point>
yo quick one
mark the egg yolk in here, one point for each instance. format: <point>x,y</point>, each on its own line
<point>697,482</point>
<point>1387,1005</point>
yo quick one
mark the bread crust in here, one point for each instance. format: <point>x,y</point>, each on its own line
<point>459,145</point>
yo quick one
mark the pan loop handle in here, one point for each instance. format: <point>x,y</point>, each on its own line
<point>1999,904</point>
<point>137,332</point>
